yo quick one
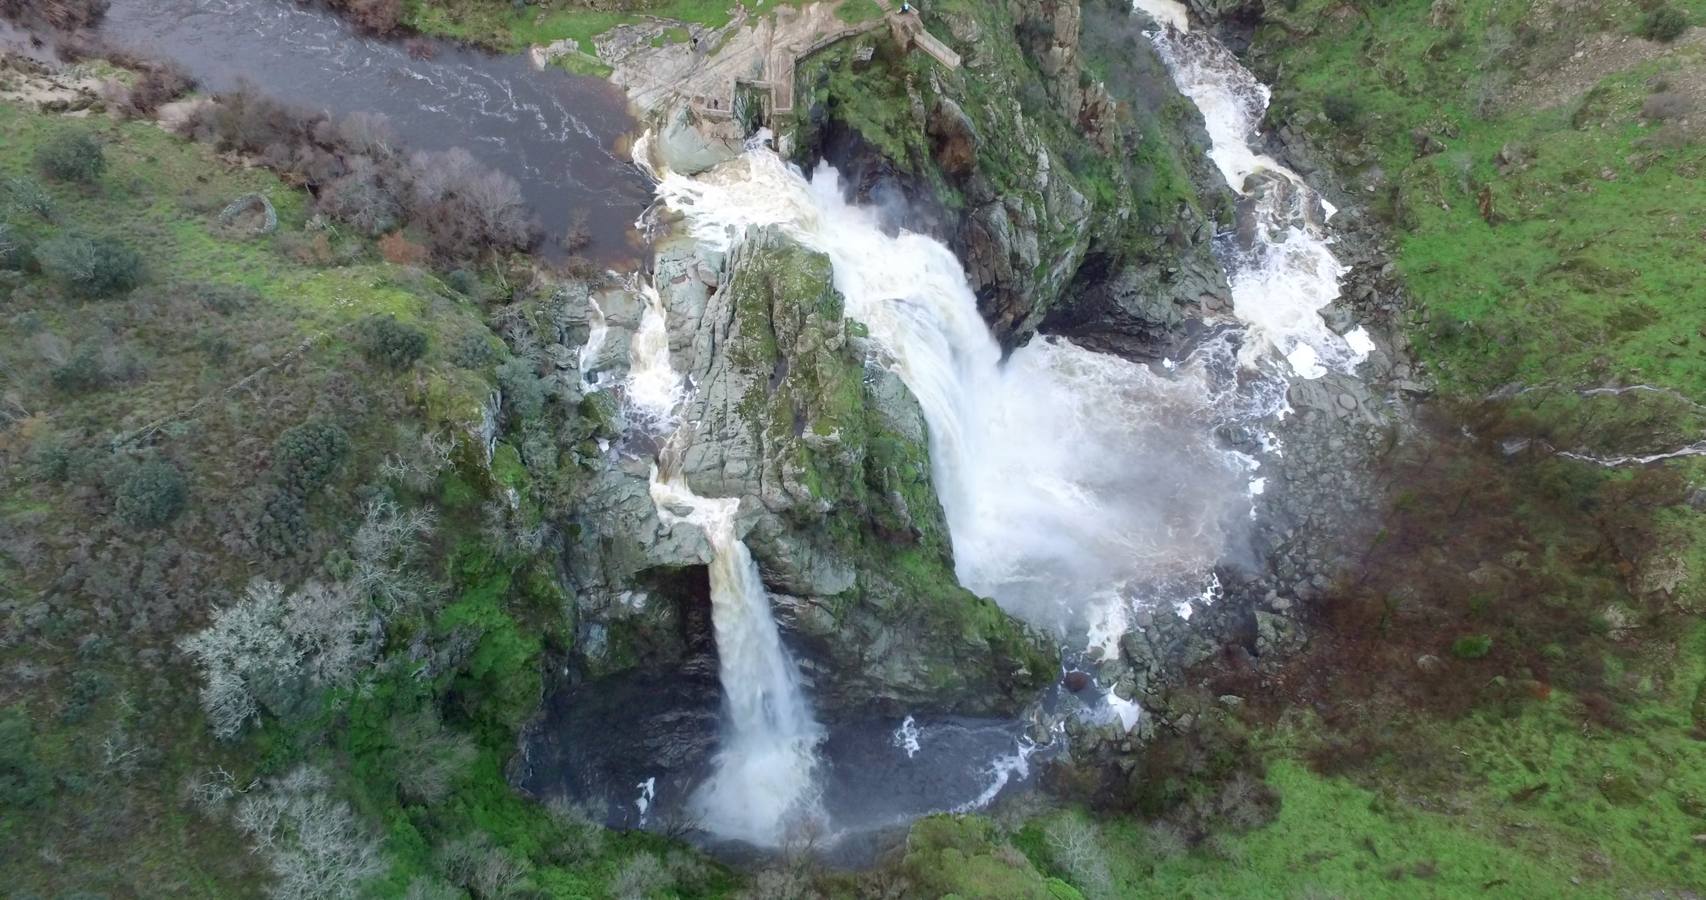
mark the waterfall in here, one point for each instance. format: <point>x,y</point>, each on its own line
<point>762,778</point>
<point>1075,484</point>
<point>1279,263</point>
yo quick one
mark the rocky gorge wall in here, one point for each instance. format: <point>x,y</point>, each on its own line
<point>1076,204</point>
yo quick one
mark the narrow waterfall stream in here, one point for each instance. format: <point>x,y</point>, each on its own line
<point>762,780</point>
<point>1278,261</point>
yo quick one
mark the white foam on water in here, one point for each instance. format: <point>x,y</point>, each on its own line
<point>598,330</point>
<point>1126,711</point>
<point>906,737</point>
<point>1279,263</point>
<point>1166,12</point>
<point>654,389</point>
<point>1001,772</point>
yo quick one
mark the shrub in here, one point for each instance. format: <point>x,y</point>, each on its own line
<point>641,877</point>
<point>25,194</point>
<point>398,250</point>
<point>1076,850</point>
<point>24,780</point>
<point>466,207</point>
<point>387,342</point>
<point>1472,646</point>
<point>282,529</point>
<point>158,85</point>
<point>1341,109</point>
<point>1665,23</point>
<point>93,366</point>
<point>367,198</point>
<point>376,16</point>
<point>152,495</point>
<point>1664,106</point>
<point>90,267</point>
<point>72,155</point>
<point>225,299</point>
<point>11,247</point>
<point>474,350</point>
<point>523,389</point>
<point>306,455</point>
<point>260,650</point>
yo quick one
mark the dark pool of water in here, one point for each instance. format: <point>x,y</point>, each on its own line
<point>553,132</point>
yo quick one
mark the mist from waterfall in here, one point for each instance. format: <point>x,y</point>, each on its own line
<point>1075,484</point>
<point>763,780</point>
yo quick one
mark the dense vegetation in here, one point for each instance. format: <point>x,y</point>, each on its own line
<point>252,463</point>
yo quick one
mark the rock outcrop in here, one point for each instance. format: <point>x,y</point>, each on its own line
<point>1061,195</point>
<point>793,411</point>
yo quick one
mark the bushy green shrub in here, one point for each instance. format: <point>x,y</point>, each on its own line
<point>72,155</point>
<point>282,529</point>
<point>474,350</point>
<point>90,267</point>
<point>523,390</point>
<point>306,455</point>
<point>151,495</point>
<point>390,343</point>
<point>24,779</point>
<point>1664,23</point>
<point>1472,646</point>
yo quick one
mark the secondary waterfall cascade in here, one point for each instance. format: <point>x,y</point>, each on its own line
<point>1278,263</point>
<point>1075,484</point>
<point>762,781</point>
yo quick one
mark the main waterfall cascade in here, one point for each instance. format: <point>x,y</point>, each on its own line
<point>1078,487</point>
<point>1074,483</point>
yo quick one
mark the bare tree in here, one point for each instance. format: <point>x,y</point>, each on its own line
<point>314,843</point>
<point>1076,847</point>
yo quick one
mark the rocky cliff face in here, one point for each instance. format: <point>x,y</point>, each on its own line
<point>1071,207</point>
<point>793,412</point>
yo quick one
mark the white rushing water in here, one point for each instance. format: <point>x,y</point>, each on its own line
<point>762,780</point>
<point>1072,481</point>
<point>1279,263</point>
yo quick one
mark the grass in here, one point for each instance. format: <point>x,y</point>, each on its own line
<point>1589,270</point>
<point>511,28</point>
<point>855,11</point>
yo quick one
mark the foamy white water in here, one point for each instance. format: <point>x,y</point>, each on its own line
<point>763,776</point>
<point>1280,266</point>
<point>762,779</point>
<point>1075,484</point>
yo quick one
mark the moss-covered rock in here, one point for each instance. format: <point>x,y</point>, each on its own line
<point>964,856</point>
<point>1050,183</point>
<point>831,458</point>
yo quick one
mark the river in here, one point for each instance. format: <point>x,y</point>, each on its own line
<point>553,132</point>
